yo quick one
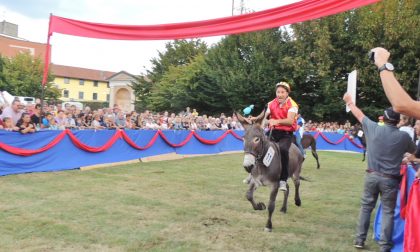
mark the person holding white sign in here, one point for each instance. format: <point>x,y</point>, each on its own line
<point>387,146</point>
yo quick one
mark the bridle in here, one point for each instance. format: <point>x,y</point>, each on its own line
<point>260,146</point>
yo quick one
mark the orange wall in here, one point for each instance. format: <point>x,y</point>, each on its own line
<point>10,47</point>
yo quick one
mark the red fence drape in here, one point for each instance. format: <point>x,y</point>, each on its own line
<point>123,135</point>
<point>275,17</point>
<point>411,228</point>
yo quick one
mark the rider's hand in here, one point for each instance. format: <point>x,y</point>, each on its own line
<point>273,122</point>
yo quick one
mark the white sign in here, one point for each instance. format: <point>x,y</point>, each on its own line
<point>268,157</point>
<point>351,87</point>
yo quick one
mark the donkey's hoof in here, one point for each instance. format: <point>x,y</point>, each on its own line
<point>260,206</point>
<point>298,202</point>
<point>268,229</point>
<point>283,210</point>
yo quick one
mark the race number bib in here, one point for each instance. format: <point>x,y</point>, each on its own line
<point>360,133</point>
<point>268,156</point>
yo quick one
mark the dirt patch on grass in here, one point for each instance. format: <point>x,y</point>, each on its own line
<point>214,221</point>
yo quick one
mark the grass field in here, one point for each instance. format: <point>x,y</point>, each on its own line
<point>192,204</point>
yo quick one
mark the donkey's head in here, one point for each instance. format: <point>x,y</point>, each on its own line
<point>254,140</point>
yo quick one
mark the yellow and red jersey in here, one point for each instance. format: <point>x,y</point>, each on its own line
<point>280,110</point>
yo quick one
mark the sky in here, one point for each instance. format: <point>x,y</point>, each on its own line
<point>116,55</point>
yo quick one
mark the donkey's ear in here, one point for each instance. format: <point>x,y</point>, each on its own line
<point>260,117</point>
<point>244,121</point>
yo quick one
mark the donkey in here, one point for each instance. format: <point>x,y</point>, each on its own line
<point>309,141</point>
<point>263,173</point>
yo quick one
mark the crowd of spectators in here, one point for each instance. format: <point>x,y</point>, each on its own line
<point>329,127</point>
<point>28,118</point>
<point>17,117</point>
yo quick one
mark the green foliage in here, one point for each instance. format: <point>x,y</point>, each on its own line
<point>331,47</point>
<point>22,76</point>
<point>2,80</point>
<point>178,53</point>
<point>315,57</point>
<point>242,70</point>
<point>142,90</point>
<point>174,92</point>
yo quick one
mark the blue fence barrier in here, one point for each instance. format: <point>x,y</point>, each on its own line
<point>67,155</point>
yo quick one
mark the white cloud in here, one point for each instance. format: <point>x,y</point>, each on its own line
<point>131,56</point>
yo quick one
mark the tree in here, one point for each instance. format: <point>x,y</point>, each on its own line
<point>2,80</point>
<point>175,91</point>
<point>178,53</point>
<point>22,76</point>
<point>328,49</point>
<point>242,70</point>
<point>315,57</point>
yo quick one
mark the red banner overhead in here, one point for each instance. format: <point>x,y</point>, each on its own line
<point>288,14</point>
<point>296,12</point>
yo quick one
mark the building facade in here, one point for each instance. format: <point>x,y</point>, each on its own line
<point>10,47</point>
<point>81,84</point>
<point>76,83</point>
<point>121,92</point>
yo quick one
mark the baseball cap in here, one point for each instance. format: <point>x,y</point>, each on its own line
<point>391,115</point>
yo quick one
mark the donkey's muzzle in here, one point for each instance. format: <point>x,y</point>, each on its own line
<point>249,162</point>
<point>248,168</point>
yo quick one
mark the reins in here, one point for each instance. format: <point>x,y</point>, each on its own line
<point>260,156</point>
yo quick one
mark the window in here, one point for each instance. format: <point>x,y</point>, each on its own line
<point>66,80</point>
<point>81,95</point>
<point>81,82</point>
<point>95,96</point>
<point>95,83</point>
<point>66,93</point>
<point>107,97</point>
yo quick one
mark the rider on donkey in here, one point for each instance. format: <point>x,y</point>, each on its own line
<point>282,113</point>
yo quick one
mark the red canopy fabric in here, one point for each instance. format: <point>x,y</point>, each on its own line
<point>288,14</point>
<point>411,228</point>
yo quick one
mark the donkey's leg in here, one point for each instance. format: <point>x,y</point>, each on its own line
<point>315,154</point>
<point>271,206</point>
<point>247,180</point>
<point>296,181</point>
<point>286,196</point>
<point>250,197</point>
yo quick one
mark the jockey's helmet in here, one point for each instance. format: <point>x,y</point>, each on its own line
<point>284,85</point>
